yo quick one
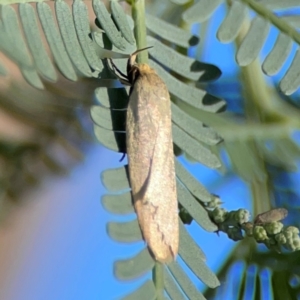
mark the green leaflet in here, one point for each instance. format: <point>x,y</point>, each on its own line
<point>291,80</point>
<point>171,287</point>
<point>6,45</point>
<point>134,267</point>
<point>121,20</point>
<point>193,148</point>
<point>126,232</point>
<point>72,36</point>
<point>112,98</point>
<point>115,179</point>
<point>107,24</point>
<point>200,11</point>
<point>186,241</point>
<point>278,55</point>
<point>198,266</point>
<point>193,127</point>
<point>253,42</point>
<point>191,183</point>
<point>109,119</point>
<point>244,159</point>
<point>37,49</point>
<point>55,41</point>
<point>194,208</point>
<point>170,32</point>
<point>232,23</point>
<point>118,204</point>
<point>13,45</point>
<point>184,282</point>
<point>112,140</point>
<point>181,64</point>
<point>101,40</point>
<point>82,28</point>
<point>147,291</point>
<point>189,94</point>
<point>32,77</point>
<point>11,39</point>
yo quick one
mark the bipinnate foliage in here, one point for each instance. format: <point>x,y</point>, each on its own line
<point>79,52</point>
<point>268,13</point>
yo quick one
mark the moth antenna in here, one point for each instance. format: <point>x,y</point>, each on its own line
<point>132,57</point>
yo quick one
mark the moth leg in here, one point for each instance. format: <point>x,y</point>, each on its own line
<point>125,81</point>
<point>123,156</point>
<point>121,76</point>
<point>116,70</point>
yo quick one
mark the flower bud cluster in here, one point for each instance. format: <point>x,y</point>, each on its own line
<point>266,228</point>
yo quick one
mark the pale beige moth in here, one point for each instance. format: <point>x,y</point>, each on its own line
<point>150,155</point>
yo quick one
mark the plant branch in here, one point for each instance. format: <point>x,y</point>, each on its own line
<point>138,15</point>
<point>255,89</point>
<point>158,278</point>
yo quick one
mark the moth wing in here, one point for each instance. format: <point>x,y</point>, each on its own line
<point>151,165</point>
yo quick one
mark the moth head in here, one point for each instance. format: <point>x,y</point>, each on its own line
<point>132,66</point>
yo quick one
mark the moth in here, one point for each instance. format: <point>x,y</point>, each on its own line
<point>273,215</point>
<point>150,155</point>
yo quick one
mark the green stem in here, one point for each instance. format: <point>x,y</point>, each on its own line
<point>255,88</point>
<point>267,14</point>
<point>158,278</point>
<point>139,17</point>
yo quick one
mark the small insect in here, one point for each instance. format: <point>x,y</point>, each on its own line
<point>273,215</point>
<point>151,158</point>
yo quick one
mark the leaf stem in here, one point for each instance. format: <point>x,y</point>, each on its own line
<point>158,278</point>
<point>255,89</point>
<point>139,17</point>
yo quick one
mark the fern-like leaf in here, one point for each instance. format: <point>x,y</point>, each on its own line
<point>254,39</point>
<point>78,52</point>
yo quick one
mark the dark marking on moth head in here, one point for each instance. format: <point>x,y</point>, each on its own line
<point>132,68</point>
